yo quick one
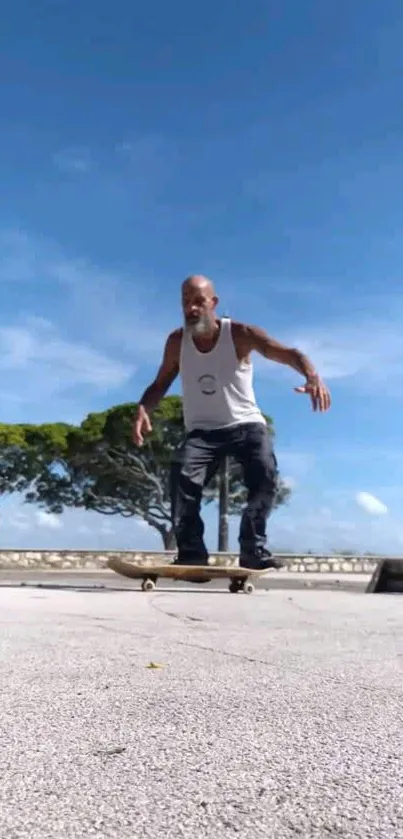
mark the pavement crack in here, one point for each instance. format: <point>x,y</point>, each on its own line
<point>110,752</point>
<point>183,618</point>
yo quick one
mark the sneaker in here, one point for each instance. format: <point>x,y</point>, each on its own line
<point>260,560</point>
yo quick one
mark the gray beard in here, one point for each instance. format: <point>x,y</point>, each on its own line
<point>202,327</point>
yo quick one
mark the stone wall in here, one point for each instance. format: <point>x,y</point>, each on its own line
<point>97,560</point>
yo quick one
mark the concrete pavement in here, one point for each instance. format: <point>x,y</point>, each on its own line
<point>277,715</point>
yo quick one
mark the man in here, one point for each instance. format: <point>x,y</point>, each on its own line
<point>212,356</point>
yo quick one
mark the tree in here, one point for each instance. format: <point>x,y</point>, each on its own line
<point>95,466</point>
<point>116,479</point>
<point>26,451</point>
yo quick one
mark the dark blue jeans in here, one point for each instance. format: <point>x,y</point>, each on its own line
<point>195,464</point>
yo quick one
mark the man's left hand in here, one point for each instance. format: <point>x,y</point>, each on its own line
<point>317,390</point>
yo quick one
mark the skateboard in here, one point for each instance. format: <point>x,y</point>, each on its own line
<point>238,577</point>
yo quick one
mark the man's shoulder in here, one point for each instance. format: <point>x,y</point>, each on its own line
<point>239,326</point>
<point>175,336</point>
<point>246,336</point>
<point>245,328</point>
<point>240,329</point>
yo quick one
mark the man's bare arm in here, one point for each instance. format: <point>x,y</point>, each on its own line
<point>257,339</point>
<point>166,375</point>
<point>273,350</point>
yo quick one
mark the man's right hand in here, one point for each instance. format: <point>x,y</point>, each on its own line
<point>141,426</point>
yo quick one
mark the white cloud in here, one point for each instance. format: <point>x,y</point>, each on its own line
<point>111,303</point>
<point>370,350</point>
<point>294,463</point>
<point>48,520</point>
<point>23,526</point>
<point>41,363</point>
<point>104,306</point>
<point>305,524</point>
<point>366,351</point>
<point>289,481</point>
<point>18,520</point>
<point>74,160</point>
<point>93,342</point>
<point>371,504</point>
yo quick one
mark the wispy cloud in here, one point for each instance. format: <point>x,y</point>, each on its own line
<point>88,334</point>
<point>16,520</point>
<point>73,160</point>
<point>371,504</point>
<point>111,303</point>
<point>41,363</point>
<point>296,464</point>
<point>306,523</point>
<point>333,527</point>
<point>369,347</point>
<point>367,351</point>
<point>102,305</point>
<point>24,526</point>
<point>48,520</point>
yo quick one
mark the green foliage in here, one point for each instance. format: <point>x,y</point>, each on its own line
<point>26,452</point>
<point>11,436</point>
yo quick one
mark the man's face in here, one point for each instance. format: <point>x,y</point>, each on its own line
<point>198,308</point>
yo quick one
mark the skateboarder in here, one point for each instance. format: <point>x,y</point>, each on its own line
<point>212,356</point>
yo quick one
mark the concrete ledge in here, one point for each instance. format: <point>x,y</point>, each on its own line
<point>60,560</point>
<point>387,577</point>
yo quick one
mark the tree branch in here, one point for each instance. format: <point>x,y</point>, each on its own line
<point>139,466</point>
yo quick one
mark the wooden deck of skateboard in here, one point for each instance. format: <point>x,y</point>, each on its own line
<point>186,573</point>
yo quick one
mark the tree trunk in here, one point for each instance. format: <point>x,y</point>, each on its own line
<point>167,533</point>
<point>223,477</point>
<point>168,537</point>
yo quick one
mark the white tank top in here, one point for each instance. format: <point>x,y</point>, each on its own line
<point>217,388</point>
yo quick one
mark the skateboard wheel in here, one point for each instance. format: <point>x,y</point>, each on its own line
<point>249,588</point>
<point>233,587</point>
<point>148,585</point>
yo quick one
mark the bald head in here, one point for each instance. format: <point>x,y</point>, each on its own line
<point>199,302</point>
<point>198,281</point>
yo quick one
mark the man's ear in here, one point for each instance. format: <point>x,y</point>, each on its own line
<point>215,301</point>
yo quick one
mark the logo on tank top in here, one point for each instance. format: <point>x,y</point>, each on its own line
<point>208,384</point>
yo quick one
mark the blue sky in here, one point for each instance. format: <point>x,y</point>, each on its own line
<point>257,143</point>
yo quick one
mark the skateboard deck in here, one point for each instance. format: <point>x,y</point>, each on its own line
<point>238,577</point>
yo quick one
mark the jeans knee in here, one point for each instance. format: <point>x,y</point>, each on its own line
<point>262,476</point>
<point>272,472</point>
